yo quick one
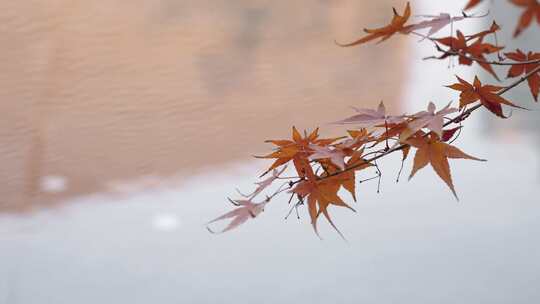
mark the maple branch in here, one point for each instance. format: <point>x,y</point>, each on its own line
<point>369,160</point>
<point>322,194</point>
<point>466,114</point>
<point>456,119</point>
<point>522,79</point>
<point>454,53</point>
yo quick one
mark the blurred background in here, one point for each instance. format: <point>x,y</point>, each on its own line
<point>125,125</point>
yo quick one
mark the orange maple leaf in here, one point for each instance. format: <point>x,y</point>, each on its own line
<point>296,150</point>
<point>471,4</point>
<point>458,47</point>
<point>347,178</point>
<point>320,195</point>
<point>357,140</point>
<point>518,70</point>
<point>322,191</point>
<point>395,26</point>
<point>532,8</point>
<point>430,150</point>
<point>486,94</point>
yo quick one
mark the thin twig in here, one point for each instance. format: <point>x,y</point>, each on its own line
<point>506,89</point>
<point>379,173</point>
<point>368,179</point>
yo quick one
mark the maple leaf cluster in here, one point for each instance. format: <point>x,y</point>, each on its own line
<point>322,167</point>
<point>471,48</point>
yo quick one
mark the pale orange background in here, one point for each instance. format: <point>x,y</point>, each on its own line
<point>94,91</point>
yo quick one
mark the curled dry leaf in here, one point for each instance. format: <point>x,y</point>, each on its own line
<point>396,26</point>
<point>430,150</point>
<point>486,94</point>
<point>521,69</point>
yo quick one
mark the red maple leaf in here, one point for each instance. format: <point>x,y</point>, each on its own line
<point>520,69</point>
<point>486,94</point>
<point>396,25</point>
<point>532,9</point>
<point>477,50</point>
<point>471,4</point>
